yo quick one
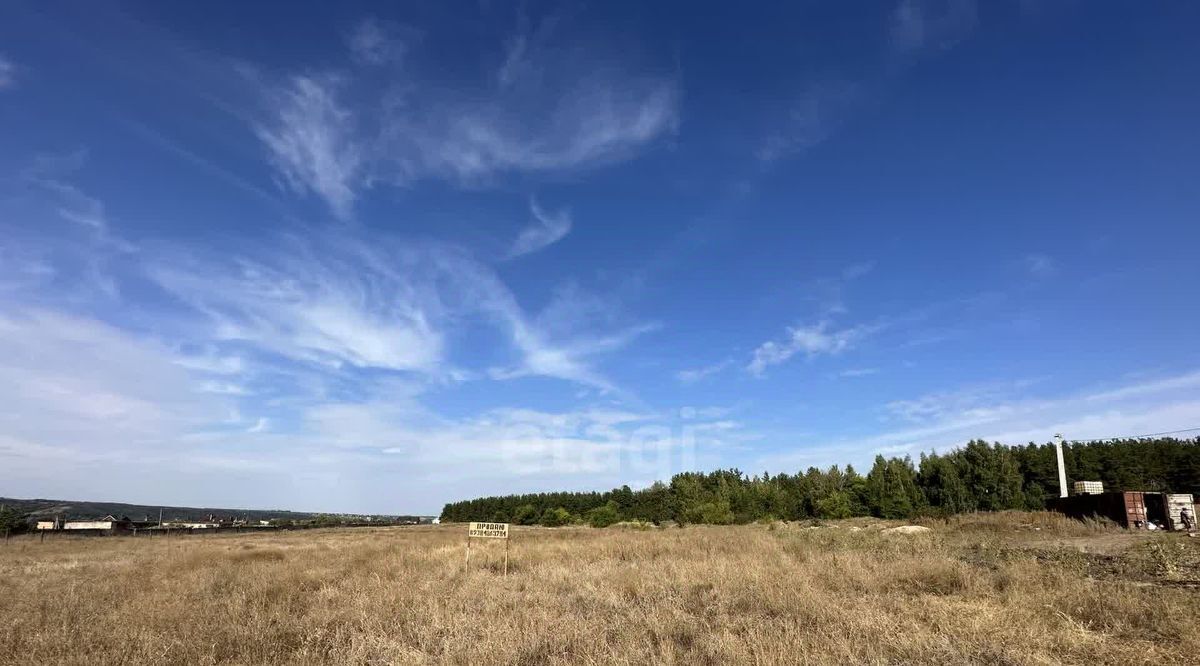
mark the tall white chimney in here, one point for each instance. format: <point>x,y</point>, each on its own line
<point>1062,469</point>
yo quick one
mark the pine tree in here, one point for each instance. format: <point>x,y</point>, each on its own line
<point>977,476</point>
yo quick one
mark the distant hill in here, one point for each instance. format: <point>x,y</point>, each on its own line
<point>46,508</point>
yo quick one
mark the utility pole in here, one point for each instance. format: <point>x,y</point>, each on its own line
<point>1062,469</point>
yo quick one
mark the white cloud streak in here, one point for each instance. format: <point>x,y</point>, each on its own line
<point>591,122</point>
<point>374,42</point>
<point>812,117</point>
<point>932,24</point>
<point>81,254</point>
<point>75,384</point>
<point>1040,265</point>
<point>693,375</point>
<point>76,394</point>
<point>386,304</point>
<point>815,340</point>
<point>213,363</point>
<point>950,419</point>
<point>858,372</point>
<point>549,110</point>
<point>821,106</point>
<point>548,228</point>
<point>8,73</point>
<point>325,310</point>
<point>51,174</point>
<point>313,142</point>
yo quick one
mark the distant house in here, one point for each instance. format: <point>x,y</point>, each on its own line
<point>192,526</point>
<point>53,524</point>
<point>106,525</point>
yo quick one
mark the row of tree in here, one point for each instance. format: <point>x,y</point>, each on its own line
<point>976,477</point>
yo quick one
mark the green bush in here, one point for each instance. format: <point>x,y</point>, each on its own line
<point>556,517</point>
<point>326,520</point>
<point>709,513</point>
<point>604,516</point>
<point>525,514</point>
<point>11,522</point>
<point>835,505</point>
<point>640,525</point>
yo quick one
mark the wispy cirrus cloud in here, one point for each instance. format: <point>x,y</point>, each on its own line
<point>963,402</point>
<point>1039,265</point>
<point>563,115</point>
<point>387,304</point>
<point>932,24</point>
<point>211,362</point>
<point>23,270</point>
<point>74,244</point>
<point>272,344</point>
<point>850,373</point>
<point>324,310</point>
<point>553,104</point>
<point>51,173</point>
<point>819,339</point>
<point>376,42</point>
<point>1007,412</point>
<point>313,142</point>
<point>812,116</point>
<point>8,73</point>
<point>820,106</point>
<point>548,228</point>
<point>77,392</point>
<point>693,375</point>
<point>569,360</point>
<point>826,296</point>
<point>77,385</point>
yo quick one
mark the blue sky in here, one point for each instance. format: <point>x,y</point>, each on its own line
<point>376,257</point>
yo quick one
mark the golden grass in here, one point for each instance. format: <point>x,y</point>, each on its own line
<point>970,592</point>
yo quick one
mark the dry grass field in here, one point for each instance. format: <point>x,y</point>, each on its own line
<point>994,589</point>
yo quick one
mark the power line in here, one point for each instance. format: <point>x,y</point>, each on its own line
<point>1153,434</point>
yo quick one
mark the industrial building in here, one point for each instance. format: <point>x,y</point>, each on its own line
<point>1131,509</point>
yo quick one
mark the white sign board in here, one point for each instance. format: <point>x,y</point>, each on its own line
<point>488,530</point>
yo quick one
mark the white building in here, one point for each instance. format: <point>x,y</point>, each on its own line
<point>105,524</point>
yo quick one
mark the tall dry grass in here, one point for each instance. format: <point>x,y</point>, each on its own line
<point>967,593</point>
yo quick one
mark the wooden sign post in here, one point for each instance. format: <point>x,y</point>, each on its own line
<point>488,531</point>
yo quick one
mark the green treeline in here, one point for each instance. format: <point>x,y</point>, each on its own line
<point>979,476</point>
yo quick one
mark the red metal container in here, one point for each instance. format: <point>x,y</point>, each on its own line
<point>1134,509</point>
<point>1127,509</point>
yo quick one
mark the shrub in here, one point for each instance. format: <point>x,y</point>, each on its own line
<point>835,505</point>
<point>556,517</point>
<point>525,514</point>
<point>11,522</point>
<point>603,516</point>
<point>709,513</point>
<point>325,520</point>
<point>634,525</point>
